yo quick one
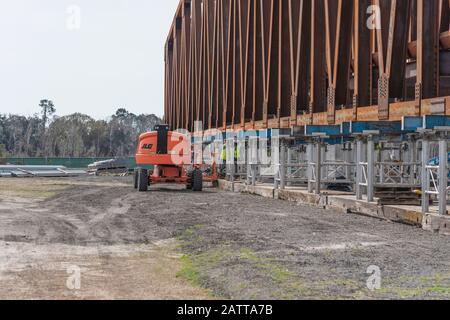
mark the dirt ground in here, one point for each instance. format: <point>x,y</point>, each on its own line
<point>174,244</point>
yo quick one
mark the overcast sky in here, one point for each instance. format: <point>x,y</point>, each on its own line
<point>109,56</point>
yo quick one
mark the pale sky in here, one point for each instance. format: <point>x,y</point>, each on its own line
<point>114,59</point>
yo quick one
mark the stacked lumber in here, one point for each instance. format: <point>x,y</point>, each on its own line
<point>392,195</point>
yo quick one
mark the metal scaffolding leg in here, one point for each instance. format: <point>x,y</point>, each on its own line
<point>232,172</point>
<point>310,156</point>
<point>282,168</point>
<point>359,168</point>
<point>252,161</point>
<point>318,167</point>
<point>425,176</point>
<point>231,168</point>
<point>443,174</point>
<point>413,161</point>
<point>289,163</point>
<point>276,167</point>
<point>254,173</point>
<point>347,158</point>
<point>249,171</point>
<point>370,169</point>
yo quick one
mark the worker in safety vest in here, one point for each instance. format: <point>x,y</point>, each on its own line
<point>223,157</point>
<point>224,154</point>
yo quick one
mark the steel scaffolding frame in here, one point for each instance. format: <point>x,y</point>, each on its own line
<point>303,160</point>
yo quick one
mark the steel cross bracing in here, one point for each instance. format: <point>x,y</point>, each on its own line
<point>360,157</point>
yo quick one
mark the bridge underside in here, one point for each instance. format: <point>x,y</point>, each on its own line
<point>257,64</point>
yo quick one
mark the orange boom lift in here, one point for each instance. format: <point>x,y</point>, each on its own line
<point>171,155</point>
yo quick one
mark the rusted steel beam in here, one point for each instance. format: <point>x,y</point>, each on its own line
<point>227,32</point>
<point>362,95</point>
<point>219,62</point>
<point>444,15</point>
<point>258,61</point>
<point>245,12</point>
<point>398,49</point>
<point>185,47</point>
<point>338,49</point>
<point>269,13</point>
<point>300,33</point>
<point>427,81</point>
<point>318,65</point>
<point>392,54</point>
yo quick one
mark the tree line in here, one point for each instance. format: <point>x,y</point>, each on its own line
<point>77,135</point>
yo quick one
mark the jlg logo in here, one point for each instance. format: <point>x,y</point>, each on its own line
<point>147,146</point>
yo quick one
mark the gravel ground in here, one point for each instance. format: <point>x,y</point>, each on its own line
<point>172,243</point>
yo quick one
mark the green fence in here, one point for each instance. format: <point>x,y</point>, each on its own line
<point>73,163</point>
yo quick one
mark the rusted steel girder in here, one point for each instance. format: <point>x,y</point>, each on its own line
<point>256,64</point>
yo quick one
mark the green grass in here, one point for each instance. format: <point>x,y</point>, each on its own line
<point>434,285</point>
<point>189,271</point>
<point>266,278</point>
<point>198,262</point>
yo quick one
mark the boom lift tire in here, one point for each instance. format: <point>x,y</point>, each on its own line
<point>143,180</point>
<point>197,180</point>
<point>190,175</point>
<point>136,178</point>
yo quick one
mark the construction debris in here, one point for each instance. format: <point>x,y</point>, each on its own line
<point>38,171</point>
<point>396,195</point>
<point>113,166</point>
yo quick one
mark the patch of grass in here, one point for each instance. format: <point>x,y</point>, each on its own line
<point>188,270</point>
<point>190,237</point>
<point>197,263</point>
<point>274,271</point>
<point>265,277</point>
<point>438,285</point>
<point>36,189</point>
